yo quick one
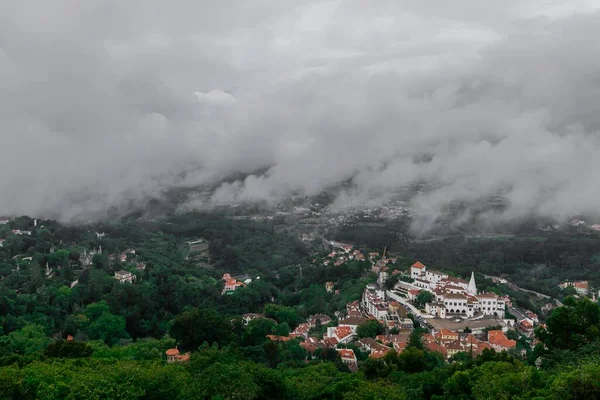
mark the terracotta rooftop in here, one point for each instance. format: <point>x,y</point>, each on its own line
<point>497,337</point>
<point>343,331</point>
<point>347,353</point>
<point>172,352</point>
<point>418,265</point>
<point>448,332</point>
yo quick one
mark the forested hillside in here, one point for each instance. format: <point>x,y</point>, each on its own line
<point>70,330</point>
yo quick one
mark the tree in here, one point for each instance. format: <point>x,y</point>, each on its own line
<point>415,340</point>
<point>282,329</point>
<point>257,330</point>
<point>68,349</point>
<point>423,298</point>
<point>370,328</point>
<point>572,326</point>
<point>192,328</point>
<point>283,314</point>
<point>28,340</point>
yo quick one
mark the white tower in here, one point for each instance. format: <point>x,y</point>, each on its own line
<point>472,287</point>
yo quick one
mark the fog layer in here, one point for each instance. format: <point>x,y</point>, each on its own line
<point>105,103</point>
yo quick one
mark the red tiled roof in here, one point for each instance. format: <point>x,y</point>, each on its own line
<point>418,265</point>
<point>526,324</point>
<point>172,352</point>
<point>379,354</point>
<point>276,338</point>
<point>309,347</point>
<point>347,353</point>
<point>448,332</point>
<point>343,331</point>
<point>433,346</point>
<point>497,337</point>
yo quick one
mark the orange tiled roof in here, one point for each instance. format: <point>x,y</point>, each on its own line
<point>497,337</point>
<point>379,354</point>
<point>433,346</point>
<point>418,265</point>
<point>448,332</point>
<point>347,353</point>
<point>172,352</point>
<point>343,331</point>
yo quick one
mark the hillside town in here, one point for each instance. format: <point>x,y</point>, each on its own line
<point>458,318</point>
<point>450,313</point>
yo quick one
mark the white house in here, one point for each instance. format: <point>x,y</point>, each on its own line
<point>124,276</point>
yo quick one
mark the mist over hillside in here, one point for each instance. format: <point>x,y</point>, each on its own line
<point>109,107</point>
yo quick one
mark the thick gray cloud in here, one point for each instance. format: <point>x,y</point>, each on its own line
<point>105,102</point>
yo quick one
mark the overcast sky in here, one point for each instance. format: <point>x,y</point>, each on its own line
<point>107,101</point>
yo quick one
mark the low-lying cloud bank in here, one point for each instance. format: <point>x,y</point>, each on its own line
<point>105,103</point>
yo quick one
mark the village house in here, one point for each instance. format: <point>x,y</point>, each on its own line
<point>124,276</point>
<point>353,309</point>
<point>371,346</point>
<point>318,319</point>
<point>246,318</point>
<point>302,330</point>
<point>454,347</point>
<point>173,355</point>
<point>342,334</point>
<point>231,284</point>
<point>447,335</point>
<point>310,348</point>
<point>499,342</point>
<point>532,316</point>
<point>349,358</point>
<point>329,286</point>
<point>526,327</point>
<point>581,287</point>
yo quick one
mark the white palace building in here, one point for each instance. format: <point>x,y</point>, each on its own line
<point>454,296</point>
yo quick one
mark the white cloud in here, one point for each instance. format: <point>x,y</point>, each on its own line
<point>106,102</point>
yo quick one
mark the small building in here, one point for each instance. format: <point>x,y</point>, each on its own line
<point>173,355</point>
<point>231,284</point>
<point>417,270</point>
<point>318,320</point>
<point>342,334</point>
<point>246,318</point>
<point>329,286</point>
<point>349,358</point>
<point>581,287</point>
<point>124,276</point>
<point>499,342</point>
